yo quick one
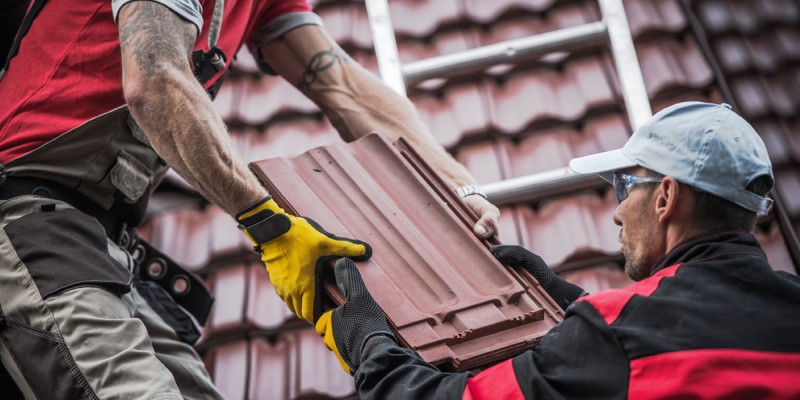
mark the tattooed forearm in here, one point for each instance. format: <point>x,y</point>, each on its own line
<point>320,62</point>
<point>154,37</point>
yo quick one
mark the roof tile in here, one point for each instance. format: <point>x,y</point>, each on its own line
<point>598,278</point>
<point>268,97</point>
<point>229,368</point>
<point>484,162</point>
<point>229,286</point>
<point>553,147</point>
<point>265,311</point>
<point>420,18</point>
<point>567,227</point>
<point>549,95</point>
<point>670,66</point>
<point>482,11</point>
<point>418,281</point>
<point>774,246</point>
<point>459,112</point>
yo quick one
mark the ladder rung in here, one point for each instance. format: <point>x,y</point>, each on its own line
<point>536,186</point>
<point>504,52</point>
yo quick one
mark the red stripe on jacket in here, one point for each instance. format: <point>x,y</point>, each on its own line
<point>611,302</point>
<point>716,373</point>
<point>497,382</point>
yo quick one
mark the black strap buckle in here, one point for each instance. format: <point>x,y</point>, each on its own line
<point>184,288</point>
<point>206,65</point>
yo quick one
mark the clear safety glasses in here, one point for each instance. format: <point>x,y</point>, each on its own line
<point>624,182</point>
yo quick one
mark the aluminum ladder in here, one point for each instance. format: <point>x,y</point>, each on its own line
<point>613,27</point>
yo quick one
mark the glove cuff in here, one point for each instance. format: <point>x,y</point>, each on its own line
<point>263,221</point>
<point>265,204</point>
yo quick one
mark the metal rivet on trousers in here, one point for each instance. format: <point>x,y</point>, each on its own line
<point>139,253</point>
<point>180,284</point>
<point>157,268</point>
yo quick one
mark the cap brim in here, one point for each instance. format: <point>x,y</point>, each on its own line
<point>601,163</point>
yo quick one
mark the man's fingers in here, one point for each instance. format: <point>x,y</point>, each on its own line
<point>348,279</point>
<point>354,249</point>
<point>489,216</point>
<point>508,254</point>
<point>486,226</point>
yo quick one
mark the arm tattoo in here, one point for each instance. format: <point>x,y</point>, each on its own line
<point>154,37</point>
<point>320,62</point>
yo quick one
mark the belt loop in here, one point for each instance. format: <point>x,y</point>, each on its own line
<point>123,237</point>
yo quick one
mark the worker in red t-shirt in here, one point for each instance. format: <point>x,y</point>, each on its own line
<point>98,99</point>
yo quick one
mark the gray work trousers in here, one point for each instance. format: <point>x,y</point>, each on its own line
<point>72,324</point>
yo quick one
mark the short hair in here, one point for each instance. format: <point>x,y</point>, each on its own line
<point>714,212</point>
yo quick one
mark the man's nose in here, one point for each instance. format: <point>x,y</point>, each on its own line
<point>616,217</point>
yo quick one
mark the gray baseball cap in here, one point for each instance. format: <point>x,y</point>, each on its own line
<point>706,146</point>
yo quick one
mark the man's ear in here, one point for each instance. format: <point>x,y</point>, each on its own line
<point>667,195</point>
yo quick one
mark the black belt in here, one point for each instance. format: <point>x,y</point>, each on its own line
<point>153,265</point>
<point>15,187</point>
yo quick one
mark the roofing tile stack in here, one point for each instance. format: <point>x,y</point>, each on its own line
<point>504,122</point>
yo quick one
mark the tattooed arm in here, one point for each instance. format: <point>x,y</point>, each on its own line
<point>174,111</point>
<point>357,103</point>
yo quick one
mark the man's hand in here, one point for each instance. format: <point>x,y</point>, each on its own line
<point>347,328</point>
<point>563,292</point>
<point>295,249</point>
<point>489,215</point>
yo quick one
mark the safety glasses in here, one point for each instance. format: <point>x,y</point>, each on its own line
<point>624,182</point>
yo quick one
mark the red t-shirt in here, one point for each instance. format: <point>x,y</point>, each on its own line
<point>68,67</point>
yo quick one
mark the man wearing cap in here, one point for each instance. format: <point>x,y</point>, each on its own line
<point>707,318</point>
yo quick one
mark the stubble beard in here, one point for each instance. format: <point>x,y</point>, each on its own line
<point>633,262</point>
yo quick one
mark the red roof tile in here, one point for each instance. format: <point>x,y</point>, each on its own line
<point>226,238</point>
<point>289,138</point>
<point>482,11</point>
<point>229,369</point>
<point>229,286</point>
<point>265,311</point>
<point>525,99</point>
<point>182,234</point>
<point>598,278</point>
<point>459,112</point>
<point>671,66</point>
<point>746,16</point>
<point>552,148</point>
<point>651,17</point>
<point>419,18</point>
<point>484,162</point>
<point>268,97</point>
<point>787,184</point>
<point>585,220</point>
<point>433,292</point>
<point>441,43</point>
<point>272,370</point>
<point>774,246</point>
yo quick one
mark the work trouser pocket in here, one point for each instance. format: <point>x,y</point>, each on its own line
<point>66,249</point>
<point>44,360</point>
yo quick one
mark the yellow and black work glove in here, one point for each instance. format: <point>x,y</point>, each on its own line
<point>347,328</point>
<point>295,251</point>
<point>563,292</point>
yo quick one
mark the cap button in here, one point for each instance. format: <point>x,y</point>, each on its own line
<point>726,105</point>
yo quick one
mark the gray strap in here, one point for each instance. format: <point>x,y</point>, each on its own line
<point>213,33</point>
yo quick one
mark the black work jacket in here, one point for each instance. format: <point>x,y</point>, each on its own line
<point>712,321</point>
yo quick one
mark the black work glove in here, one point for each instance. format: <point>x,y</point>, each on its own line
<point>347,328</point>
<point>563,292</point>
